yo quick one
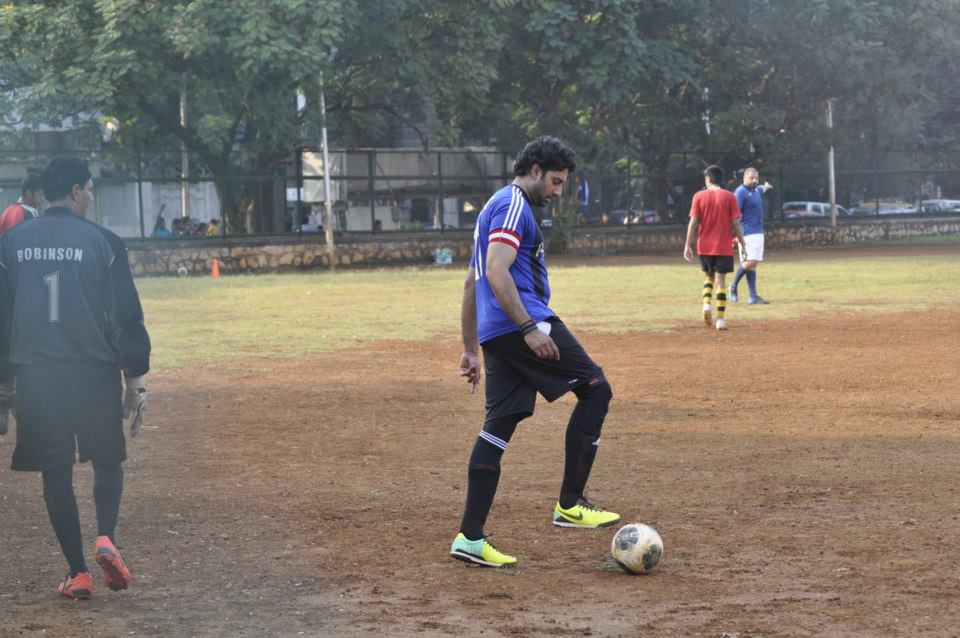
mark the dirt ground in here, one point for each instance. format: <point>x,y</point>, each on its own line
<point>802,474</point>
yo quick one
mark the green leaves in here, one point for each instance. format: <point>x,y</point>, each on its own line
<point>615,77</point>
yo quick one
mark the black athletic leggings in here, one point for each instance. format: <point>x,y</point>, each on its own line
<point>61,504</point>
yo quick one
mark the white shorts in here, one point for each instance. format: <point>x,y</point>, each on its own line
<point>754,247</point>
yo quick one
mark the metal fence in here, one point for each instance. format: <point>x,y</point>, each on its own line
<point>392,190</point>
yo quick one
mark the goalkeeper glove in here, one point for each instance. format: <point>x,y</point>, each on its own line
<point>135,403</point>
<point>7,400</point>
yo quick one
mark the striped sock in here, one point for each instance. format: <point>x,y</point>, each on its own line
<point>707,293</point>
<point>483,474</point>
<point>721,302</point>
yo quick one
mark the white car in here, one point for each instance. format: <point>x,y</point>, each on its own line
<point>885,207</point>
<point>797,210</point>
<point>940,205</point>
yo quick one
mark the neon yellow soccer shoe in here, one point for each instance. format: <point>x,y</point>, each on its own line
<point>583,514</point>
<point>479,552</point>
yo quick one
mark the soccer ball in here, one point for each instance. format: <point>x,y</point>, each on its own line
<point>182,271</point>
<point>637,548</point>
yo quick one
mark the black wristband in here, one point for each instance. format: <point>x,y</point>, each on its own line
<point>527,327</point>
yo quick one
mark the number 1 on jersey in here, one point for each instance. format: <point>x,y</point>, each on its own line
<point>52,281</point>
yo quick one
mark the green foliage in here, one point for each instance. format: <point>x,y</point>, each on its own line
<point>240,62</point>
<point>617,78</point>
<point>564,218</point>
<point>411,226</point>
<point>424,63</point>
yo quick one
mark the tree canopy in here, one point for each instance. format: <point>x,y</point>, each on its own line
<point>729,81</point>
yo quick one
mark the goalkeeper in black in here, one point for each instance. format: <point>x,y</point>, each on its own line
<point>73,333</point>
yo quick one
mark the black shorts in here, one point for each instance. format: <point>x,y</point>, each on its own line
<point>64,407</point>
<point>716,263</point>
<point>515,374</point>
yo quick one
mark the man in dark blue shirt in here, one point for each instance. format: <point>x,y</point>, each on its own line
<point>72,327</point>
<point>750,200</point>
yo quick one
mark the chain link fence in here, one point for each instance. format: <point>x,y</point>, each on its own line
<point>142,195</point>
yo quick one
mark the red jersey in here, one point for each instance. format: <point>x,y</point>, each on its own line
<point>13,215</point>
<point>716,209</point>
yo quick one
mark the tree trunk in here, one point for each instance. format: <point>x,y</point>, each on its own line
<point>660,185</point>
<point>657,161</point>
<point>229,204</point>
<point>248,205</point>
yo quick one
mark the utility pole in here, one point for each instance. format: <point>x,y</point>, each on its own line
<point>831,172</point>
<point>327,204</point>
<point>184,155</point>
<point>706,109</point>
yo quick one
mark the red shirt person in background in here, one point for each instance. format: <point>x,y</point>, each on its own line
<point>27,207</point>
<point>714,218</point>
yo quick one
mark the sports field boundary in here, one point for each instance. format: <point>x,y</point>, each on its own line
<point>276,253</point>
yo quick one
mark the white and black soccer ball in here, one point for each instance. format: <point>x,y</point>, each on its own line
<point>182,271</point>
<point>637,548</point>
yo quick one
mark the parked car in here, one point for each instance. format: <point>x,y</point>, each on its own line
<point>940,206</point>
<point>623,218</point>
<point>798,210</point>
<point>885,207</point>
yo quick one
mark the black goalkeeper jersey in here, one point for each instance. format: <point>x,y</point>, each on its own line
<point>63,289</point>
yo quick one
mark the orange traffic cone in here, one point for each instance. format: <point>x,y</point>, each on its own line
<point>215,272</point>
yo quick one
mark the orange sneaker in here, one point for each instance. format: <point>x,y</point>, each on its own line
<point>79,587</point>
<point>115,573</point>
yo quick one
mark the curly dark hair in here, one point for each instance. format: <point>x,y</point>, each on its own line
<point>548,152</point>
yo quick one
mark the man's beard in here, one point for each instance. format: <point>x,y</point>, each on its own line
<point>540,198</point>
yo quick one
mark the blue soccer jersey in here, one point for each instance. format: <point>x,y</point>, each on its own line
<point>508,218</point>
<point>750,201</point>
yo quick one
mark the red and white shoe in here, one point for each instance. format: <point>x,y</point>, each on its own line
<point>79,587</point>
<point>115,573</point>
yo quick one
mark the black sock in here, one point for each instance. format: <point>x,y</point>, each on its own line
<point>64,517</point>
<point>583,437</point>
<point>107,491</point>
<point>484,473</point>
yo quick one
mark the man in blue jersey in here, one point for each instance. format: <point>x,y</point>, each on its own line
<point>750,200</point>
<point>526,350</point>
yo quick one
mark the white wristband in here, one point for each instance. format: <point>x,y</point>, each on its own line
<point>135,382</point>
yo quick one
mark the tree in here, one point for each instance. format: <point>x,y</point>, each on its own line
<point>884,62</point>
<point>622,80</point>
<point>417,63</point>
<point>583,71</point>
<point>240,62</point>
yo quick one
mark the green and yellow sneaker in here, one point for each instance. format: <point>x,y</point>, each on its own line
<point>583,514</point>
<point>479,552</point>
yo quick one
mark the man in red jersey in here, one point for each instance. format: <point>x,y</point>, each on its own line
<point>27,207</point>
<point>714,217</point>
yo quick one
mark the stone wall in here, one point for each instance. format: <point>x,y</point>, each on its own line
<point>286,252</point>
<point>789,235</point>
<point>267,254</point>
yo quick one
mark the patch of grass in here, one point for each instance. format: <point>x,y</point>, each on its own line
<point>285,315</point>
<point>657,297</point>
<point>211,320</point>
<point>933,240</point>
